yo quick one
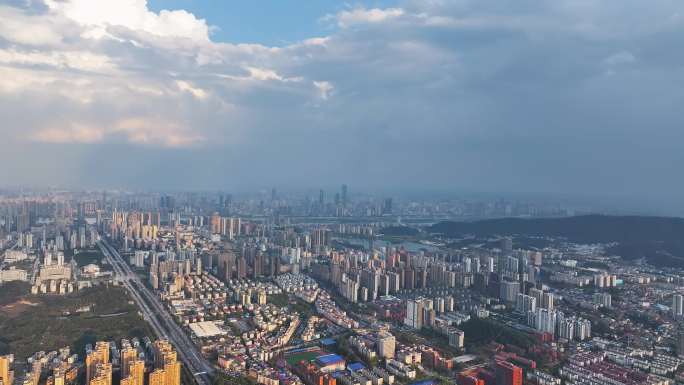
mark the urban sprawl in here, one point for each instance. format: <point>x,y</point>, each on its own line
<point>329,290</point>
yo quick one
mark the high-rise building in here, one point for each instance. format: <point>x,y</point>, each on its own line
<point>6,375</point>
<point>387,206</point>
<point>166,363</point>
<point>680,343</point>
<point>320,238</point>
<point>508,374</point>
<point>509,290</point>
<point>157,377</point>
<point>525,303</point>
<point>226,260</point>
<point>456,337</point>
<point>103,375</point>
<point>537,294</point>
<point>344,195</point>
<point>172,373</point>
<point>677,305</point>
<point>216,222</point>
<point>98,356</point>
<point>163,352</point>
<point>506,245</point>
<point>128,356</point>
<point>258,268</point>
<point>566,329</point>
<point>261,297</point>
<point>241,267</point>
<point>415,312</point>
<point>386,345</point>
<point>58,377</point>
<point>603,299</point>
<point>582,329</point>
<point>545,320</point>
<point>136,372</point>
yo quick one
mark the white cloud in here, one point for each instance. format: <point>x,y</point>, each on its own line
<point>156,131</point>
<point>43,29</point>
<point>317,41</point>
<point>136,130</point>
<point>194,91</point>
<point>72,133</point>
<point>441,75</point>
<point>324,88</point>
<point>364,16</point>
<point>260,75</point>
<point>78,60</point>
<point>263,74</point>
<point>97,16</point>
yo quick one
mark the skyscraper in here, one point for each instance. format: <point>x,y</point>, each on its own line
<point>241,267</point>
<point>525,303</point>
<point>166,363</point>
<point>136,371</point>
<point>509,291</point>
<point>157,377</point>
<point>226,260</point>
<point>414,313</point>
<point>680,343</point>
<point>103,375</point>
<point>387,206</point>
<point>344,195</point>
<point>677,305</point>
<point>128,356</point>
<point>6,375</point>
<point>96,357</point>
<point>545,320</point>
<point>506,244</point>
<point>258,264</point>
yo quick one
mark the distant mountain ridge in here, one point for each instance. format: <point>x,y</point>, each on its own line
<point>659,239</point>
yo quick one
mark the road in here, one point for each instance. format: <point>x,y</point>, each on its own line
<point>158,317</point>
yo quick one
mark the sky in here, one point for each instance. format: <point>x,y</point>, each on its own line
<point>560,97</point>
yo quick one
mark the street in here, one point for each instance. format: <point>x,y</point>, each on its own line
<point>159,319</point>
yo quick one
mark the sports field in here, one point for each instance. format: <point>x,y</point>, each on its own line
<point>293,359</point>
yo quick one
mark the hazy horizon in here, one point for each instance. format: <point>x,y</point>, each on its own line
<point>560,98</point>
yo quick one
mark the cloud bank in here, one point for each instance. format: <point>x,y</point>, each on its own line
<point>487,95</point>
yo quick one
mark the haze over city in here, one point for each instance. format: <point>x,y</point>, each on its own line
<point>367,192</point>
<point>476,96</point>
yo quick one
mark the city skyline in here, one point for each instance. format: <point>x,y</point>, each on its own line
<point>325,192</point>
<point>559,98</point>
<point>349,290</point>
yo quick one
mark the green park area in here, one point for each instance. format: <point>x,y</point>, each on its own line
<point>294,359</point>
<point>88,256</point>
<point>30,323</point>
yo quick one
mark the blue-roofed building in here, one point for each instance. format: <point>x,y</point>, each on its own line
<point>355,366</point>
<point>330,363</point>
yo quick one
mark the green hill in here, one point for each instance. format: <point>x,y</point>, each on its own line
<point>658,239</point>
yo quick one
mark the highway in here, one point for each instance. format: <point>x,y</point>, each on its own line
<point>158,317</point>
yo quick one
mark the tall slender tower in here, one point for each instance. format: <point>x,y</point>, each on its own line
<point>6,375</point>
<point>128,356</point>
<point>96,357</point>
